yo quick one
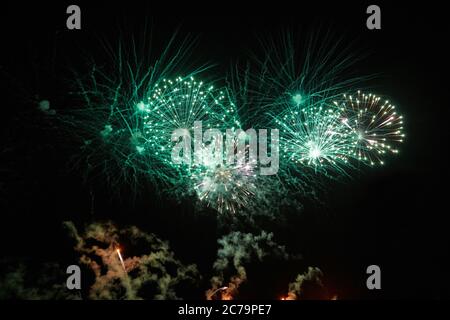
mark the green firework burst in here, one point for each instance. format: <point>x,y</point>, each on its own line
<point>178,104</point>
<point>315,137</point>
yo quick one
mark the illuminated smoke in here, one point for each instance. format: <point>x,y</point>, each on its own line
<point>156,267</point>
<point>236,250</point>
<point>311,279</point>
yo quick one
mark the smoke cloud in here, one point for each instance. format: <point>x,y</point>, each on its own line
<point>237,249</point>
<point>24,280</point>
<point>310,281</point>
<point>153,274</point>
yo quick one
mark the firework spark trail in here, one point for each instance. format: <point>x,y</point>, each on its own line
<point>121,260</point>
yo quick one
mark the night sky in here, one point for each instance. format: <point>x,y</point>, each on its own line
<point>394,216</point>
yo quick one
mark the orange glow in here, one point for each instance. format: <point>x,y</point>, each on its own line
<point>226,296</point>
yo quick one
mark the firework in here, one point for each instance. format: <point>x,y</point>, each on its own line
<point>133,120</point>
<point>297,72</point>
<point>229,184</point>
<point>314,137</point>
<point>375,127</point>
<point>225,188</point>
<point>188,105</point>
<point>292,88</point>
<point>121,121</point>
<point>179,105</point>
<point>121,260</point>
<point>135,138</point>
